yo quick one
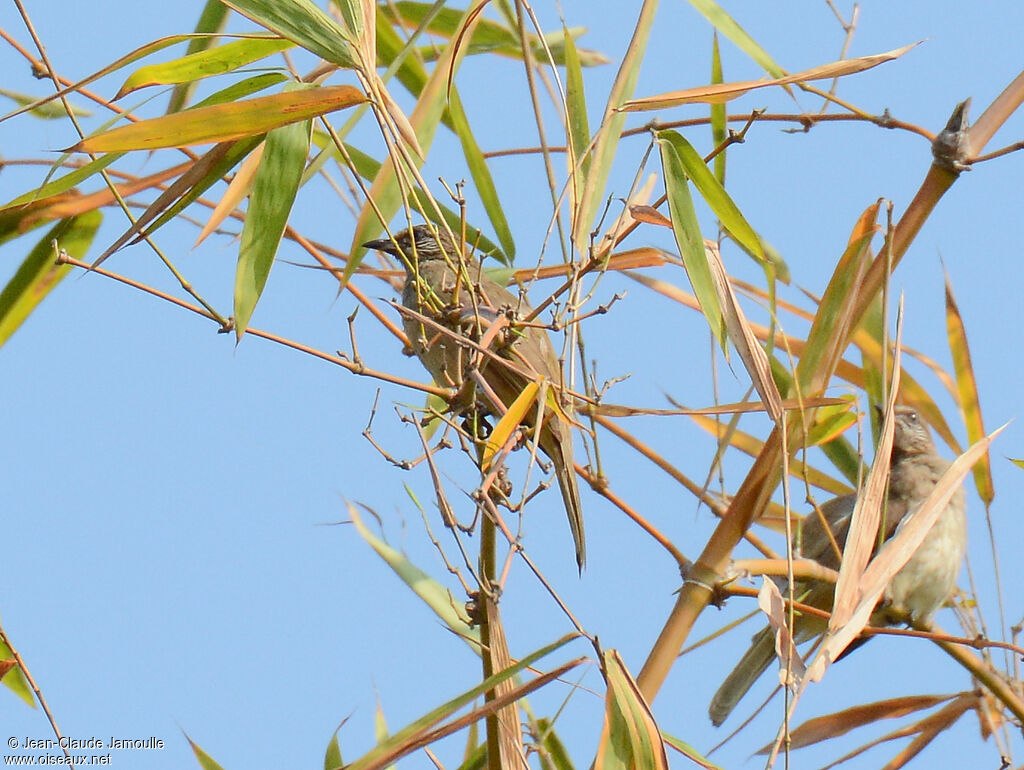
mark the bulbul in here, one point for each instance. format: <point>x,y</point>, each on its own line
<point>448,287</point>
<point>924,584</point>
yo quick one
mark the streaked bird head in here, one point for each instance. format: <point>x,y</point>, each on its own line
<point>420,242</point>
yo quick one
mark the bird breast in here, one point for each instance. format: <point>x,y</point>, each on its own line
<point>440,354</point>
<point>927,581</point>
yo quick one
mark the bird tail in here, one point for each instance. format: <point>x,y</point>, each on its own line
<point>755,661</point>
<point>559,449</point>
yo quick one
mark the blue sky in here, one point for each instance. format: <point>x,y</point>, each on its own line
<point>171,559</point>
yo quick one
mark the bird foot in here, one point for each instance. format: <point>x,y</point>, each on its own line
<point>893,613</point>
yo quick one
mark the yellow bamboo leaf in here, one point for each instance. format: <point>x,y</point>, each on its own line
<point>967,390</point>
<point>509,422</point>
<point>724,92</point>
<point>224,122</point>
<point>236,192</point>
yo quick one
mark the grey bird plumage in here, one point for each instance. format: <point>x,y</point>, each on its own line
<point>924,584</point>
<point>433,264</point>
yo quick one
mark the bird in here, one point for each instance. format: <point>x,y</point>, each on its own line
<point>448,287</point>
<point>919,589</point>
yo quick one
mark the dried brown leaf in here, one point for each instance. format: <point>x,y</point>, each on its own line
<point>830,726</point>
<point>867,514</point>
<point>742,336</point>
<point>791,665</point>
<point>930,727</point>
<point>649,215</point>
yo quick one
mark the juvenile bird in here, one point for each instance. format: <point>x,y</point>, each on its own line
<point>924,584</point>
<point>433,265</point>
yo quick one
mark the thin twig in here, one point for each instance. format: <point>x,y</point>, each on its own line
<point>39,693</point>
<point>334,359</point>
<point>806,120</point>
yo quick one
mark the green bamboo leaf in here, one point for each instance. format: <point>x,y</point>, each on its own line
<point>446,23</point>
<point>273,192</point>
<point>473,744</point>
<point>74,177</point>
<point>557,43</point>
<point>875,383</point>
<point>39,273</point>
<point>587,57</point>
<point>352,14</point>
<point>630,737</point>
<point>718,122</point>
<point>553,754</point>
<point>394,53</point>
<point>714,194</point>
<point>205,760</point>
<point>64,183</point>
<point>15,223</point>
<point>224,122</point>
<point>47,111</point>
<point>725,24</point>
<point>967,389</point>
<point>844,456</point>
<point>831,421</point>
<point>332,757</point>
<point>688,238</point>
<point>610,130</point>
<point>477,758</point>
<point>15,679</point>
<point>576,111</point>
<point>773,260</point>
<point>204,64</point>
<point>304,23</point>
<point>241,89</point>
<point>212,20</point>
<point>481,174</point>
<point>690,752</point>
<point>434,594</point>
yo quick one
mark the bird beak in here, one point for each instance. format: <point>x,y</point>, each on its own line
<point>382,244</point>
